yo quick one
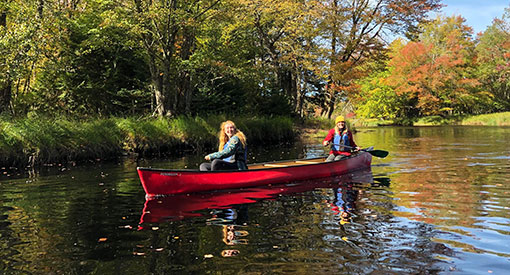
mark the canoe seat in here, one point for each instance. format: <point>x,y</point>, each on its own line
<point>305,162</point>
<point>274,165</point>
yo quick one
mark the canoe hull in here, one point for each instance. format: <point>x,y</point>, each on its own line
<point>168,182</point>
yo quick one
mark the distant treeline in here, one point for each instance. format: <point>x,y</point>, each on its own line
<point>35,141</point>
<point>102,58</point>
<point>168,58</point>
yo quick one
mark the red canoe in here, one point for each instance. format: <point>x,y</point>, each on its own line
<point>157,182</point>
<point>183,206</point>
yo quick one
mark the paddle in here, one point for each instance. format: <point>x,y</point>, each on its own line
<point>375,153</point>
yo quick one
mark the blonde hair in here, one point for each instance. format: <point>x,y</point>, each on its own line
<point>222,136</point>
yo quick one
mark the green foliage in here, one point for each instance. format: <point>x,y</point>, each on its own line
<point>377,98</point>
<point>493,70</point>
<point>108,73</point>
<point>100,58</point>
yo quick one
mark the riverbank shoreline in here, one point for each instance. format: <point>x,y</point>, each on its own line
<point>495,119</point>
<point>43,141</point>
<point>35,142</point>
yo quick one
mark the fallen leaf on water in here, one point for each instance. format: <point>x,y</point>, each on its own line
<point>207,256</point>
<point>138,253</point>
<point>159,249</point>
<point>176,237</point>
<point>102,239</point>
<point>155,228</point>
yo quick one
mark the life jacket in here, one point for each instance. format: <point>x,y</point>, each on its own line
<point>342,139</point>
<point>230,158</point>
<point>225,147</point>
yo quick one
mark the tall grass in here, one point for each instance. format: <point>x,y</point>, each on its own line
<point>40,140</point>
<point>496,119</point>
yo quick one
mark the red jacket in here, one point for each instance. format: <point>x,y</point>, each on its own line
<point>331,135</point>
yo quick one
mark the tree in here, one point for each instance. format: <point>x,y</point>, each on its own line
<point>168,31</point>
<point>19,50</point>
<point>437,71</point>
<point>284,33</point>
<point>5,81</point>
<point>356,31</point>
<point>493,52</point>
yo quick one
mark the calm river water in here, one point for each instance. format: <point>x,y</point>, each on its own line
<point>439,203</point>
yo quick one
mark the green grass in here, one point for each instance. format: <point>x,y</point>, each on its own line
<point>40,140</point>
<point>496,119</point>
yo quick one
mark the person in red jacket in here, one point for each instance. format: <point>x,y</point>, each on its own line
<point>340,139</point>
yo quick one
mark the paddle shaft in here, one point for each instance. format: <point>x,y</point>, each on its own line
<point>376,153</point>
<point>347,146</point>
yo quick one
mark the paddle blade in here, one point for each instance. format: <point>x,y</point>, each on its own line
<point>379,153</point>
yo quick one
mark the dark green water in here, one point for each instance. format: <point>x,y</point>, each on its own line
<point>439,203</point>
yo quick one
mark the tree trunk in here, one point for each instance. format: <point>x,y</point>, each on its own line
<point>157,87</point>
<point>5,96</point>
<point>6,85</point>
<point>299,94</point>
<point>40,8</point>
<point>329,101</point>
<point>3,18</point>
<point>184,87</point>
<point>287,83</point>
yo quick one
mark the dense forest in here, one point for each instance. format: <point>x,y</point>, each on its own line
<point>383,59</point>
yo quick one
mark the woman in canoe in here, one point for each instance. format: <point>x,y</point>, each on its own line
<point>340,139</point>
<point>231,153</point>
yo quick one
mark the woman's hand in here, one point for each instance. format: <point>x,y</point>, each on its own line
<point>207,157</point>
<point>325,143</point>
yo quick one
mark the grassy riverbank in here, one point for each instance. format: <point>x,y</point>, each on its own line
<point>495,119</point>
<point>37,141</point>
<point>41,140</point>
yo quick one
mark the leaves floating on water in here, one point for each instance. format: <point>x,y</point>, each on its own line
<point>102,239</point>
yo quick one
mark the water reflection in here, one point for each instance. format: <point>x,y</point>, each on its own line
<point>438,203</point>
<point>229,210</point>
<point>345,202</point>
